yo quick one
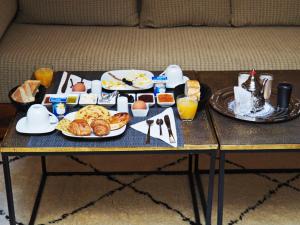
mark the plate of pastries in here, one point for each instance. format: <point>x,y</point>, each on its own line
<point>93,121</point>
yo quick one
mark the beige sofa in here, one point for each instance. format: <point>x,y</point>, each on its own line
<point>146,34</point>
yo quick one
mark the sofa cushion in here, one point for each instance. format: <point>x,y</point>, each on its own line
<point>168,13</point>
<point>78,12</point>
<point>85,48</point>
<point>8,9</point>
<point>266,12</point>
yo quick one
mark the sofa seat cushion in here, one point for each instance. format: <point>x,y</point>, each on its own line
<point>170,13</point>
<point>78,12</point>
<point>77,48</point>
<point>265,12</point>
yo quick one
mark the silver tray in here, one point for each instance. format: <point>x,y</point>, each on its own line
<point>220,101</point>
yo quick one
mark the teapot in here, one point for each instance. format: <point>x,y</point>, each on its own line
<point>257,92</point>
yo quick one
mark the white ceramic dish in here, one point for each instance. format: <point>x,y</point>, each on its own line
<point>88,99</point>
<point>110,83</point>
<point>110,103</point>
<point>71,117</point>
<point>148,103</point>
<point>22,127</point>
<point>165,104</point>
<point>73,95</point>
<point>134,98</point>
<point>184,79</point>
<point>140,112</point>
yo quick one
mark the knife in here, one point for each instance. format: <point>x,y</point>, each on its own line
<point>168,124</point>
<point>64,87</point>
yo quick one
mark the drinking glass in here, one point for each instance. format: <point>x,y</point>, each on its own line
<point>187,107</point>
<point>44,73</point>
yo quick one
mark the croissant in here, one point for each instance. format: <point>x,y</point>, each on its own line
<point>100,127</point>
<point>80,127</point>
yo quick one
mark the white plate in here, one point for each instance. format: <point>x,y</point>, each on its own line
<point>129,75</point>
<point>184,79</point>
<point>21,127</point>
<point>113,133</point>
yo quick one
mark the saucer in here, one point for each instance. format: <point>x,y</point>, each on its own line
<point>22,128</point>
<point>184,79</point>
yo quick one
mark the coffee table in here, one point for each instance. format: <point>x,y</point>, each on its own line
<point>243,137</point>
<point>195,142</point>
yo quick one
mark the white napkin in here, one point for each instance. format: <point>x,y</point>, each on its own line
<point>242,99</point>
<point>75,79</point>
<point>62,81</point>
<point>143,127</point>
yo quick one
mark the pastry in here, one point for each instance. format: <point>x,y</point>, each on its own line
<point>118,120</point>
<point>92,112</point>
<point>100,127</point>
<point>80,127</point>
<point>192,89</point>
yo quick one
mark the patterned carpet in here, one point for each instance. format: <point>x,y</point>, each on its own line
<point>250,199</point>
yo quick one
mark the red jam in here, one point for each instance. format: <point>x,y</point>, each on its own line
<point>146,98</point>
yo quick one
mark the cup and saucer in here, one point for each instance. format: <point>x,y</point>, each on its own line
<point>175,76</point>
<point>37,121</point>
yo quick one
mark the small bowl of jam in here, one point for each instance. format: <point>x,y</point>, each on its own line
<point>165,99</point>
<point>147,98</point>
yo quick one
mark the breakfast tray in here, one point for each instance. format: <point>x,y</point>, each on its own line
<point>130,137</point>
<point>222,100</point>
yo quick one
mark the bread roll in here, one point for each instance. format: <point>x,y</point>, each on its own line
<point>26,92</point>
<point>192,89</point>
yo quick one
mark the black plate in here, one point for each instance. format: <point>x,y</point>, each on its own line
<point>25,106</point>
<point>205,94</point>
<point>220,100</point>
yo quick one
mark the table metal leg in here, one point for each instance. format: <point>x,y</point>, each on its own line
<point>9,193</point>
<point>193,191</point>
<point>40,191</point>
<point>221,188</point>
<point>210,186</point>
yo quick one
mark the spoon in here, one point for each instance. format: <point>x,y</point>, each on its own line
<point>149,122</point>
<point>160,122</point>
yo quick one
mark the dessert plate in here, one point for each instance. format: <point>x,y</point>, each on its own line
<point>221,101</point>
<point>113,133</point>
<point>142,80</point>
<point>22,127</point>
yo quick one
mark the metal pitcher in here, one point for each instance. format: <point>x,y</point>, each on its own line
<point>257,92</point>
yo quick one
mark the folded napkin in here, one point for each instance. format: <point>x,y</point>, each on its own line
<point>143,127</point>
<point>75,79</point>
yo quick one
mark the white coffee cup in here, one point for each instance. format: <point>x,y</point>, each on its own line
<point>38,117</point>
<point>174,75</point>
<point>96,87</point>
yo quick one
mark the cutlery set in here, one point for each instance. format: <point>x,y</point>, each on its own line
<point>160,122</point>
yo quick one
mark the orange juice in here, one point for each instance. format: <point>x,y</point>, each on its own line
<point>187,108</point>
<point>45,75</point>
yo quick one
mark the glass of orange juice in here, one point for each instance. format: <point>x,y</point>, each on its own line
<point>44,73</point>
<point>187,107</point>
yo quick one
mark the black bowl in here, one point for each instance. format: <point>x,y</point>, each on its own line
<point>205,94</point>
<point>25,106</point>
